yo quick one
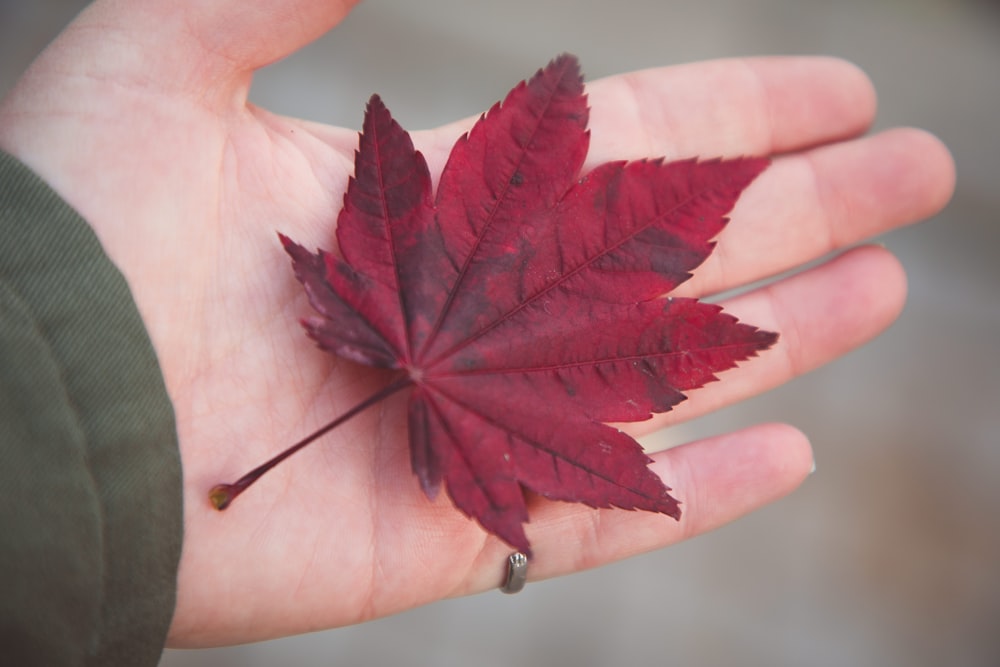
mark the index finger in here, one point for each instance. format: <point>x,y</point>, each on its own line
<point>732,107</point>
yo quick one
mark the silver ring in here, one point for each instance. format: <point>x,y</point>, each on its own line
<point>517,573</point>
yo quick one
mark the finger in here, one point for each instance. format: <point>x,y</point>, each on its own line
<point>820,314</point>
<point>754,106</point>
<point>718,480</point>
<point>808,204</point>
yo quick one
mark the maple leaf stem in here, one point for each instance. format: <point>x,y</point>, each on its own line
<point>222,495</point>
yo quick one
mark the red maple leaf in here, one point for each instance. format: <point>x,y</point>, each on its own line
<point>522,305</point>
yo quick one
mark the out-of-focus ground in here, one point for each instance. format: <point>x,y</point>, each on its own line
<point>888,555</point>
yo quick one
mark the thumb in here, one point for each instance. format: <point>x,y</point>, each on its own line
<point>250,35</point>
<point>124,79</point>
<point>206,47</point>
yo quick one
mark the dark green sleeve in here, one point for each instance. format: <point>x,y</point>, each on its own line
<point>90,479</point>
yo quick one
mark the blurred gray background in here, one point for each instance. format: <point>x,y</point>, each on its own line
<point>890,553</point>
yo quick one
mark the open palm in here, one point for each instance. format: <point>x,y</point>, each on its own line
<point>152,140</point>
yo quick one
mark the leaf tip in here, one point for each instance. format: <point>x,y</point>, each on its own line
<point>566,61</point>
<point>671,507</point>
<point>755,166</point>
<point>766,339</point>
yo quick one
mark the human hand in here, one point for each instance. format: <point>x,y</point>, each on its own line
<point>137,116</point>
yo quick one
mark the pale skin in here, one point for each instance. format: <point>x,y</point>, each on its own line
<point>137,115</point>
